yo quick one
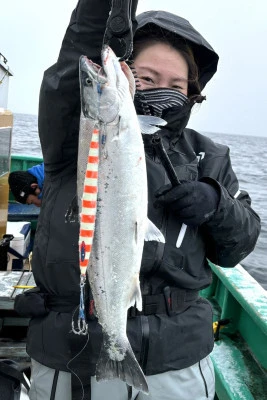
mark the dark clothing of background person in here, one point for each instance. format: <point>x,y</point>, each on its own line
<point>20,182</point>
<point>177,340</point>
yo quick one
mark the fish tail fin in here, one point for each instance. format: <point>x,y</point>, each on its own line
<point>123,365</point>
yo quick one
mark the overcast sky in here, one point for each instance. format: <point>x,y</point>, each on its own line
<point>31,33</point>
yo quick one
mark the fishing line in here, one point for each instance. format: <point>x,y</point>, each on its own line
<point>80,352</point>
<point>100,75</point>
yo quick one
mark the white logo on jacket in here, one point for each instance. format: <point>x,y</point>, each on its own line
<point>200,156</point>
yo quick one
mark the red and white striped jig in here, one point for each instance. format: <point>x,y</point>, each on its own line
<point>89,201</point>
<point>87,222</point>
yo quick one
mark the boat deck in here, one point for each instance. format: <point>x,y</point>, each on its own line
<point>12,326</point>
<point>23,212</point>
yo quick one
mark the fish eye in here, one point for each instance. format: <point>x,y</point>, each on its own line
<point>88,82</point>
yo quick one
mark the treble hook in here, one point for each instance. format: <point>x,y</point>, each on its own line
<point>81,324</point>
<point>82,327</point>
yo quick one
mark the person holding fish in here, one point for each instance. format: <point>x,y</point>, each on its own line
<point>135,335</point>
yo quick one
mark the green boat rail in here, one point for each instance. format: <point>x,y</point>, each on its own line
<point>22,162</point>
<point>240,353</point>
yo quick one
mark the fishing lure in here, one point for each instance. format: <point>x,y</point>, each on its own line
<point>87,223</point>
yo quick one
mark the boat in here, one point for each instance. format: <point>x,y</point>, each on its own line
<point>5,74</point>
<point>6,122</point>
<point>239,308</point>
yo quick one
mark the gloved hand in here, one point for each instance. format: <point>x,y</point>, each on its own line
<point>193,202</point>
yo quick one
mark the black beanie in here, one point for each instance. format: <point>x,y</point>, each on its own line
<point>20,185</point>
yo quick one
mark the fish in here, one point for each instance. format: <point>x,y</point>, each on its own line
<point>112,202</point>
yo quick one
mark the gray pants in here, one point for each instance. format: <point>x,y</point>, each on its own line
<point>193,383</point>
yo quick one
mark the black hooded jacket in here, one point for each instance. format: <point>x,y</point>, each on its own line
<point>173,341</point>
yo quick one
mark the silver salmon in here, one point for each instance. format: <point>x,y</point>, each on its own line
<point>117,185</point>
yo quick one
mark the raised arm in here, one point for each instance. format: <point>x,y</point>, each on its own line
<point>59,105</point>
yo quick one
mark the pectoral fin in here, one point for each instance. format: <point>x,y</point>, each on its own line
<point>135,296</point>
<point>153,233</point>
<point>150,124</point>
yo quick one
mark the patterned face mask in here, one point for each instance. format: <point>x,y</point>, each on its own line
<point>155,101</point>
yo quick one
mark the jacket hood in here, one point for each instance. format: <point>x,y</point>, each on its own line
<point>205,56</point>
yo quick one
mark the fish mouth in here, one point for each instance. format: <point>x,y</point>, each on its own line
<point>92,77</point>
<point>93,71</point>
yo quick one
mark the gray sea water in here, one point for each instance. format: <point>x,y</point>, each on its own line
<point>249,160</point>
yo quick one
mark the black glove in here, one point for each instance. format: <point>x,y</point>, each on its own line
<point>193,202</point>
